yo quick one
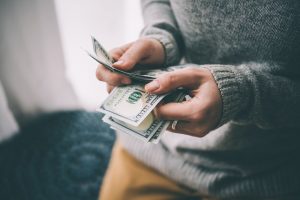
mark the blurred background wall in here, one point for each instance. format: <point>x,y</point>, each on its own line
<point>112,22</point>
<point>42,66</point>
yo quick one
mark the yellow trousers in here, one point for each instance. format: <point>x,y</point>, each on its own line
<point>129,179</point>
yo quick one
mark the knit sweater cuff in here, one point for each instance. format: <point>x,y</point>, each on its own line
<point>231,86</point>
<point>172,54</point>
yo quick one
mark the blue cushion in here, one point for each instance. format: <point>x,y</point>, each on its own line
<point>58,156</point>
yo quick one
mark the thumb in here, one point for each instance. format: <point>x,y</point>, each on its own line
<point>134,54</point>
<point>187,78</point>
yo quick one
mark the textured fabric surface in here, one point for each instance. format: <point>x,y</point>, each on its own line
<point>252,49</point>
<point>59,156</point>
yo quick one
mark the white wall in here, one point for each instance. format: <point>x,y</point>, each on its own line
<point>32,68</point>
<point>112,22</point>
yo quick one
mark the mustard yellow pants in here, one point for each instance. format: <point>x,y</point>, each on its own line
<point>129,179</point>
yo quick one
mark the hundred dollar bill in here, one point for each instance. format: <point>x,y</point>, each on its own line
<point>144,76</point>
<point>130,104</point>
<point>142,134</point>
<point>154,139</point>
<point>178,96</point>
<point>159,132</point>
<point>101,53</point>
<point>103,57</point>
<point>151,129</point>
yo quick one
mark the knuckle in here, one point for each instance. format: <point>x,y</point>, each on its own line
<point>109,88</point>
<point>193,118</point>
<point>128,55</point>
<point>158,113</point>
<point>116,53</point>
<point>171,78</point>
<point>197,116</point>
<point>168,79</point>
<point>130,62</point>
<point>145,44</point>
<point>191,70</point>
<point>199,112</point>
<point>113,81</point>
<point>194,114</point>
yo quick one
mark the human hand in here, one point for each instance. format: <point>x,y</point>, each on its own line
<point>145,51</point>
<point>196,116</point>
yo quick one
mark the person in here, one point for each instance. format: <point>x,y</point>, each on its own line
<point>238,136</point>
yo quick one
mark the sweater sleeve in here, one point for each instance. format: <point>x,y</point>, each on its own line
<point>160,24</point>
<point>264,94</point>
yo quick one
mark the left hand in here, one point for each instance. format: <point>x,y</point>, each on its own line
<point>199,115</point>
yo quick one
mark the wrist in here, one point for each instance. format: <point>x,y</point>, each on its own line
<point>230,89</point>
<point>158,51</point>
<point>170,51</point>
<point>155,51</point>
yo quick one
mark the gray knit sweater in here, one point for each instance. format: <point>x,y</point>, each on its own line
<point>252,48</point>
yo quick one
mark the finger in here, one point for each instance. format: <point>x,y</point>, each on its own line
<point>188,78</point>
<point>103,74</point>
<point>186,110</point>
<point>133,54</point>
<point>109,88</point>
<point>116,53</point>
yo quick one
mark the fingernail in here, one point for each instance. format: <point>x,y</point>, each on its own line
<point>119,62</point>
<point>152,86</point>
<point>126,81</point>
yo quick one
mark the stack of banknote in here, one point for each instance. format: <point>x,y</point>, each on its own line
<point>129,108</point>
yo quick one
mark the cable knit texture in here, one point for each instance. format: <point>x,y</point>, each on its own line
<point>59,156</point>
<point>252,49</point>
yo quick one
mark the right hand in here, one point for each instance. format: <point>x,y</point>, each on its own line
<point>144,51</point>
